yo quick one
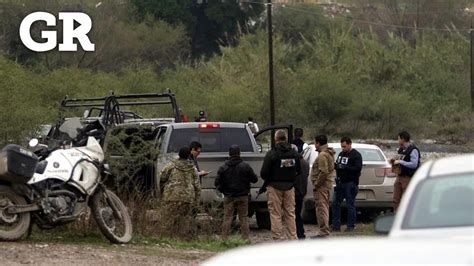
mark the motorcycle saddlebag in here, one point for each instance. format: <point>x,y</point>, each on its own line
<point>17,165</point>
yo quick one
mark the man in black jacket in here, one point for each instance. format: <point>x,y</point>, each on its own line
<point>301,187</point>
<point>298,141</point>
<point>280,168</point>
<point>348,168</point>
<point>233,180</point>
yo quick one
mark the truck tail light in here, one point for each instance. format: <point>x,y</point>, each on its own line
<point>384,172</point>
<point>209,125</point>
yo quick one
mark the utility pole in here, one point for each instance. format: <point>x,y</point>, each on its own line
<point>270,62</point>
<point>472,68</point>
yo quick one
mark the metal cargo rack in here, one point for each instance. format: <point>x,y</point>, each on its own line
<point>109,107</point>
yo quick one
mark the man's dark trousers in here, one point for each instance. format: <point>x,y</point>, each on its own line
<point>347,191</point>
<point>299,221</point>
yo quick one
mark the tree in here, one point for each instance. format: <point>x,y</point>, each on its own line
<point>294,25</point>
<point>118,40</point>
<point>209,23</point>
<point>411,16</point>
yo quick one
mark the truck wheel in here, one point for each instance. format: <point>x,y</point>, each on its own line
<point>263,220</point>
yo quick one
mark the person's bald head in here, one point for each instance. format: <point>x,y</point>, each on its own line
<point>281,136</point>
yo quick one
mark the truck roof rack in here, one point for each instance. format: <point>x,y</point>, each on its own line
<point>109,106</point>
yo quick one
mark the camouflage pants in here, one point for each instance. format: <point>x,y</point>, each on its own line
<point>177,219</point>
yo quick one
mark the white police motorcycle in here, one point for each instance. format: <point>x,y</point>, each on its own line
<point>51,187</point>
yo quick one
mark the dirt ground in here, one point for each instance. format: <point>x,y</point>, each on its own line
<point>44,253</point>
<point>68,254</point>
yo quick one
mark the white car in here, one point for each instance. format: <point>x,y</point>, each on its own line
<point>434,225</point>
<point>375,183</point>
<point>439,202</point>
<point>361,251</point>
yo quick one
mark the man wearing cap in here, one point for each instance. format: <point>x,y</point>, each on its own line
<point>201,117</point>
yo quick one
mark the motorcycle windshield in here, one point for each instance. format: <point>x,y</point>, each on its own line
<point>70,127</point>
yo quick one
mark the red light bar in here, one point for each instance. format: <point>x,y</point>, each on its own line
<point>209,125</point>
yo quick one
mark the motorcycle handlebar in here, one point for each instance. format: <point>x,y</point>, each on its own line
<point>94,129</point>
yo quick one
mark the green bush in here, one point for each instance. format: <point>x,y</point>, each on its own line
<point>136,153</point>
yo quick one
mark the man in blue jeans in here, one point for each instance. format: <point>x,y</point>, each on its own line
<point>348,168</point>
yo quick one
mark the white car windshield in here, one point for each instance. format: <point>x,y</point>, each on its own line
<point>442,202</point>
<point>367,154</point>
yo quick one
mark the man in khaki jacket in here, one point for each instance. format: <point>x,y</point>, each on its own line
<point>321,177</point>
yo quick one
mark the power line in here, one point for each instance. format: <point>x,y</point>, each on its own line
<point>408,11</point>
<point>375,8</point>
<point>363,21</point>
<point>380,23</point>
<point>406,27</point>
<point>403,12</point>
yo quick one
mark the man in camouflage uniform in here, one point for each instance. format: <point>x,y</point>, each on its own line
<point>321,173</point>
<point>180,195</point>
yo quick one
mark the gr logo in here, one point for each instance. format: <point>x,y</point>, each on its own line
<point>69,32</point>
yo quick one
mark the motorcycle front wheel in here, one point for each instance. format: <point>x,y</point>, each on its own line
<point>12,226</point>
<point>111,216</point>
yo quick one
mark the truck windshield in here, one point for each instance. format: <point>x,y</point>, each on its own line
<point>212,140</point>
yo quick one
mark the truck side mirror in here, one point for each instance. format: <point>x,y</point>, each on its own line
<point>384,224</point>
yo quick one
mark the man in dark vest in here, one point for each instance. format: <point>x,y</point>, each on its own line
<point>298,141</point>
<point>408,162</point>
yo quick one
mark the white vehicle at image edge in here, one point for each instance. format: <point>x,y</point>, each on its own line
<point>434,225</point>
<point>439,202</point>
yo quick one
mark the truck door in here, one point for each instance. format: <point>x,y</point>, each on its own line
<point>265,137</point>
